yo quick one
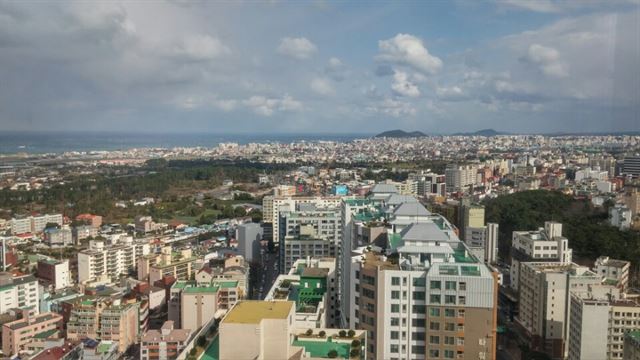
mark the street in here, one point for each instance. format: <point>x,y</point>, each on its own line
<point>266,274</point>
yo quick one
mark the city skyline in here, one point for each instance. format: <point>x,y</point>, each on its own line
<point>441,68</point>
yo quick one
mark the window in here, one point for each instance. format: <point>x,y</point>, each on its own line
<point>462,286</point>
<point>450,285</point>
<point>449,327</point>
<point>394,349</point>
<point>450,299</point>
<point>450,312</point>
<point>395,294</point>
<point>434,340</point>
<point>419,295</point>
<point>395,281</point>
<point>419,309</point>
<point>434,299</point>
<point>417,349</point>
<point>449,340</point>
<point>462,300</point>
<point>435,285</point>
<point>434,353</point>
<point>434,326</point>
<point>395,308</point>
<point>419,282</point>
<point>395,321</point>
<point>418,322</point>
<point>395,335</point>
<point>435,312</point>
<point>418,336</point>
<point>449,354</point>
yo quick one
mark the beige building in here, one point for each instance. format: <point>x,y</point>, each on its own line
<point>164,344</point>
<point>17,334</point>
<point>192,305</point>
<point>263,326</point>
<point>545,302</point>
<point>267,332</point>
<point>180,265</point>
<point>103,319</point>
<point>598,327</point>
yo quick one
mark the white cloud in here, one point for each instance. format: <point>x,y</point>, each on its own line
<point>335,63</point>
<point>548,60</point>
<point>405,49</point>
<point>202,48</point>
<point>322,86</point>
<point>453,91</point>
<point>225,104</point>
<point>402,86</point>
<point>262,105</point>
<point>391,107</point>
<point>542,6</point>
<point>299,48</point>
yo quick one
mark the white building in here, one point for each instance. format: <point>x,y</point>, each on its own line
<point>271,207</point>
<point>249,237</point>
<point>545,244</point>
<point>101,260</point>
<point>459,177</point>
<point>19,292</point>
<point>598,326</point>
<point>620,216</point>
<point>545,302</point>
<point>616,272</point>
<point>34,224</point>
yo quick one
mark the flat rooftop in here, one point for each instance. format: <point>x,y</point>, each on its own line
<point>254,311</point>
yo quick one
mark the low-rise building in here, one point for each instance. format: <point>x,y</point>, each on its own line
<point>615,272</point>
<point>164,344</point>
<point>20,292</point>
<point>54,273</point>
<point>192,305</point>
<point>17,334</point>
<point>104,319</point>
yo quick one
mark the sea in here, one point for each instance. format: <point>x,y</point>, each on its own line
<point>60,142</point>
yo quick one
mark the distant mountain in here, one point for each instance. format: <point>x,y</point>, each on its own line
<point>483,132</point>
<point>401,134</point>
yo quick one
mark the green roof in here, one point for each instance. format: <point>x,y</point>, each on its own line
<point>46,334</point>
<point>395,240</point>
<point>200,289</point>
<point>461,256</point>
<point>226,284</point>
<point>103,348</point>
<point>213,350</point>
<point>320,349</point>
<point>470,270</point>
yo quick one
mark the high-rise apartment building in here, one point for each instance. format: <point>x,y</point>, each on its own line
<point>271,207</point>
<point>426,297</point>
<point>545,244</point>
<point>631,166</point>
<point>458,178</point>
<point>307,231</point>
<point>248,237</point>
<point>102,261</point>
<point>599,324</point>
<point>545,302</point>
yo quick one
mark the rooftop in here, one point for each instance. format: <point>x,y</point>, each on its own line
<point>320,349</point>
<point>252,311</point>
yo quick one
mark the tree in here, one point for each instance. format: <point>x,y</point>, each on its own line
<point>342,333</point>
<point>355,343</point>
<point>309,332</point>
<point>322,333</point>
<point>355,352</point>
<point>352,333</point>
<point>202,341</point>
<point>332,354</point>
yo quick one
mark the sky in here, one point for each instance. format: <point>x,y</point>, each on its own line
<point>320,66</point>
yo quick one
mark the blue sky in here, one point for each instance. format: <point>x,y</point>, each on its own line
<point>330,67</point>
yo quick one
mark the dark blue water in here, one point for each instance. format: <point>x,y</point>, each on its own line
<point>59,142</point>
